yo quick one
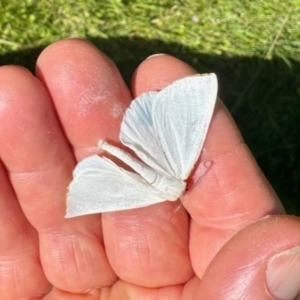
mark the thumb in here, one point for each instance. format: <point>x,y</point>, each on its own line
<point>260,262</point>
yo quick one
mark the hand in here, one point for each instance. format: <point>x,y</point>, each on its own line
<point>218,246</point>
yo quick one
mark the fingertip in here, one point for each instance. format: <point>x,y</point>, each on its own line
<point>87,90</point>
<point>7,70</point>
<point>157,71</point>
<point>15,79</point>
<point>66,49</point>
<point>59,63</point>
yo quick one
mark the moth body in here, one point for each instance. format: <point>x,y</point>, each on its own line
<point>170,187</point>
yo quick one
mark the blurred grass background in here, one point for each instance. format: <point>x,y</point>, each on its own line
<point>253,46</point>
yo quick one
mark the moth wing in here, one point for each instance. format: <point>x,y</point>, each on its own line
<point>167,129</point>
<point>181,115</point>
<point>99,185</point>
<point>139,133</point>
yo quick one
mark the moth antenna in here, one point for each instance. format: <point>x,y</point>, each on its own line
<point>202,171</point>
<point>176,210</point>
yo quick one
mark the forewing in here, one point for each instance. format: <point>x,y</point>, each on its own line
<point>138,133</point>
<point>181,116</point>
<point>99,185</point>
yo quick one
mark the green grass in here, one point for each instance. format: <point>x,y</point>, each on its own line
<point>253,46</point>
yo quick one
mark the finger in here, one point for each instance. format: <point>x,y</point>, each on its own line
<point>260,262</point>
<point>40,162</point>
<point>19,248</point>
<point>233,192</point>
<point>89,96</point>
<point>34,144</point>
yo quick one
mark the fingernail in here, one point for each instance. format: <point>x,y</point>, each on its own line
<point>283,274</point>
<point>157,54</point>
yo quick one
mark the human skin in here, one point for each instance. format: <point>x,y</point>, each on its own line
<point>216,246</point>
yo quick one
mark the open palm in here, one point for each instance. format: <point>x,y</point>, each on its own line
<point>214,247</point>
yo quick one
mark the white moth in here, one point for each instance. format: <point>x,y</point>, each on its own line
<point>166,130</point>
